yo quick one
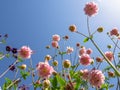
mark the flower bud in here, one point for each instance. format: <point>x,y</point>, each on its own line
<point>72,28</point>
<point>109,46</point>
<point>111,74</point>
<point>100,29</point>
<point>66,63</point>
<point>48,57</point>
<point>55,63</point>
<point>23,66</point>
<point>46,83</point>
<point>37,82</point>
<point>99,59</point>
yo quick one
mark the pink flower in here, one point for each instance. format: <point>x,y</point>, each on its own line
<point>44,69</point>
<point>56,37</point>
<point>114,31</point>
<point>89,51</point>
<point>109,55</point>
<point>96,78</point>
<point>91,8</point>
<point>25,52</point>
<point>55,44</point>
<point>85,59</point>
<point>69,50</point>
<point>85,74</point>
<point>82,51</point>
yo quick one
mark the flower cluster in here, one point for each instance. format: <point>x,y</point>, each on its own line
<point>69,68</point>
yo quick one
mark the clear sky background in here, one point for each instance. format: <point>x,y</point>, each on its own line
<point>33,22</point>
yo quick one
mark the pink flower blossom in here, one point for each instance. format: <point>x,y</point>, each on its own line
<point>56,37</point>
<point>54,44</point>
<point>82,51</point>
<point>69,50</point>
<point>25,52</point>
<point>85,59</point>
<point>44,69</point>
<point>89,51</point>
<point>114,31</point>
<point>91,8</point>
<point>85,74</point>
<point>96,78</point>
<point>109,55</point>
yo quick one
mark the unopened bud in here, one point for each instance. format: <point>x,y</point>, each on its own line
<point>55,63</point>
<point>100,29</point>
<point>46,83</point>
<point>48,57</point>
<point>66,63</point>
<point>72,28</point>
<point>23,66</point>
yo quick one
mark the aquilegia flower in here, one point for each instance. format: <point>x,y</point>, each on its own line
<point>25,52</point>
<point>109,55</point>
<point>96,78</point>
<point>44,69</point>
<point>91,9</point>
<point>85,74</point>
<point>114,31</point>
<point>85,59</point>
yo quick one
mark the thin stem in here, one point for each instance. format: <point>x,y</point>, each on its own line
<point>32,71</point>
<point>81,34</point>
<point>8,69</point>
<point>117,72</point>
<point>88,26</point>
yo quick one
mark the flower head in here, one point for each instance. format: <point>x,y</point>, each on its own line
<point>109,55</point>
<point>46,83</point>
<point>89,51</point>
<point>85,59</point>
<point>44,69</point>
<point>91,9</point>
<point>85,74</point>
<point>96,78</point>
<point>69,50</point>
<point>25,52</point>
<point>55,44</point>
<point>56,37</point>
<point>114,31</point>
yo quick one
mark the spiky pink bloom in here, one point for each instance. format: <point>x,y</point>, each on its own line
<point>109,55</point>
<point>54,44</point>
<point>56,37</point>
<point>89,51</point>
<point>69,50</point>
<point>85,59</point>
<point>91,9</point>
<point>82,51</point>
<point>96,78</point>
<point>85,74</point>
<point>25,52</point>
<point>44,69</point>
<point>114,31</point>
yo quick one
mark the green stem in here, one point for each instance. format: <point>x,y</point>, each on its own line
<point>116,71</point>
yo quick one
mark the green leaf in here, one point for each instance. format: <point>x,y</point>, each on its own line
<point>7,55</point>
<point>60,80</point>
<point>86,40</point>
<point>54,82</point>
<point>3,41</point>
<point>62,53</point>
<point>24,74</point>
<point>1,55</point>
<point>20,59</point>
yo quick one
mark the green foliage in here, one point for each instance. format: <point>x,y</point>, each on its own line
<point>86,40</point>
<point>24,74</point>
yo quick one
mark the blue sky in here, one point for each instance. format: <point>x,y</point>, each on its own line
<point>33,22</point>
